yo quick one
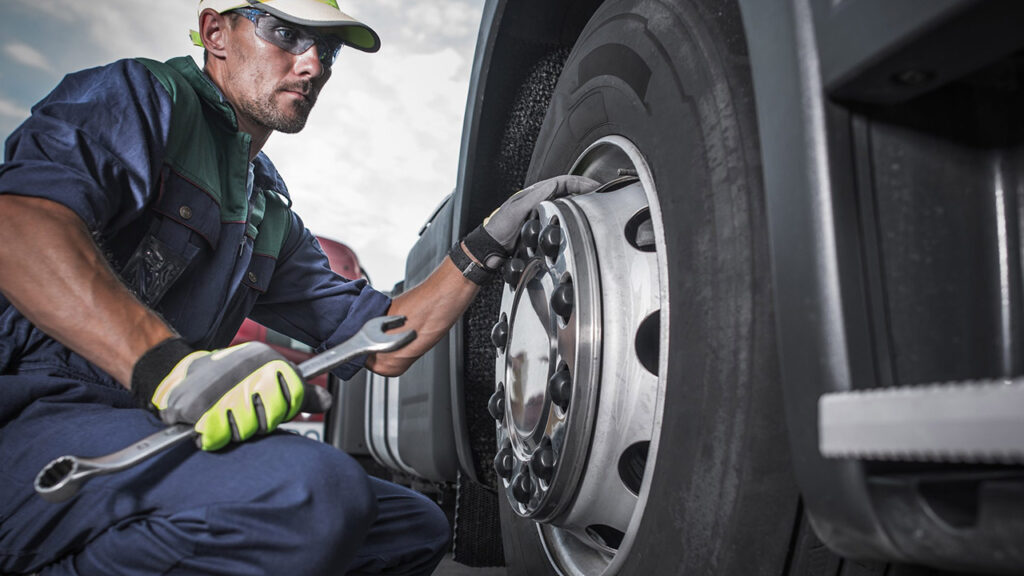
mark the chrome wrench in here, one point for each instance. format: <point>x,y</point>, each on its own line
<point>61,478</point>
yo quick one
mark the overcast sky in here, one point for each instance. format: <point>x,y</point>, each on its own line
<point>381,146</point>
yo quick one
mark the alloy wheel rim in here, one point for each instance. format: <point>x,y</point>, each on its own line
<point>580,346</point>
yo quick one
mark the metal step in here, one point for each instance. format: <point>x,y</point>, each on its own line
<point>979,421</point>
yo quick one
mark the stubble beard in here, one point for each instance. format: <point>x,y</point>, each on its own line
<point>268,113</point>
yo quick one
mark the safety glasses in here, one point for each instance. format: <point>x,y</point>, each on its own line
<point>292,38</point>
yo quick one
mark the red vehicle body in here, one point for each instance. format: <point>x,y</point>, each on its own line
<point>343,261</point>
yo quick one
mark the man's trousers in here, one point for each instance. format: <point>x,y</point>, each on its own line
<point>278,504</point>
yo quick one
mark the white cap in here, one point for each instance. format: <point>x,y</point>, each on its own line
<point>312,13</point>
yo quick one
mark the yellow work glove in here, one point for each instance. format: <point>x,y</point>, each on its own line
<point>229,395</point>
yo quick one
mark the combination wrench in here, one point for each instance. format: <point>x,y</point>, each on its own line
<point>61,478</point>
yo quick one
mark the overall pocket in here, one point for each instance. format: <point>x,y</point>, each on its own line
<point>186,221</point>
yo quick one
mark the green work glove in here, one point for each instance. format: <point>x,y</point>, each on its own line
<point>492,242</point>
<point>229,395</point>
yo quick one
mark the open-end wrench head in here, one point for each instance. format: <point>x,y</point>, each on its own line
<point>370,339</point>
<point>375,330</point>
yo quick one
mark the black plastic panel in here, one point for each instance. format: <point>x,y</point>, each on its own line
<point>950,254</point>
<point>894,221</point>
<point>809,298</point>
<point>885,52</point>
<point>940,179</point>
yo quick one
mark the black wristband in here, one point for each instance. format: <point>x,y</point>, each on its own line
<point>153,366</point>
<point>476,273</point>
<point>485,249</point>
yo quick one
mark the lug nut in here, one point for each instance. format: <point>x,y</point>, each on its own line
<point>505,461</point>
<point>544,461</point>
<point>562,300</point>
<point>530,233</point>
<point>522,486</point>
<point>560,388</point>
<point>496,405</point>
<point>499,334</point>
<point>551,241</point>
<point>513,271</point>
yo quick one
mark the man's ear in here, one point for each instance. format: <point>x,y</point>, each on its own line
<point>213,29</point>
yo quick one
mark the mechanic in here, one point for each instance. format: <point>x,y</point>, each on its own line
<point>139,225</point>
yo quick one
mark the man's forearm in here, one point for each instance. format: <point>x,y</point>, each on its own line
<point>430,308</point>
<point>52,272</point>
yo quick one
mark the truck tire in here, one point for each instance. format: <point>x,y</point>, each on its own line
<point>669,81</point>
<point>672,77</point>
<point>660,90</point>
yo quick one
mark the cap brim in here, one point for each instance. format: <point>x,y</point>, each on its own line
<point>320,15</point>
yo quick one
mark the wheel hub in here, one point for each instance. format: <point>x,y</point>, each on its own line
<point>545,315</point>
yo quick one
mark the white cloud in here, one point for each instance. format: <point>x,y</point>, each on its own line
<point>12,110</point>
<point>54,9</point>
<point>420,24</point>
<point>27,56</point>
<point>160,30</point>
<point>442,19</point>
<point>122,28</point>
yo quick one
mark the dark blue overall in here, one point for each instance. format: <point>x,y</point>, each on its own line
<point>149,156</point>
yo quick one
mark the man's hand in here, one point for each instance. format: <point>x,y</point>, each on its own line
<point>504,224</point>
<point>436,303</point>
<point>229,395</point>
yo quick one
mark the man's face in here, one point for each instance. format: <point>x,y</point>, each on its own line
<point>267,85</point>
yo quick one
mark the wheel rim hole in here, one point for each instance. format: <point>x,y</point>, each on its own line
<point>648,342</point>
<point>605,536</point>
<point>640,231</point>
<point>632,464</point>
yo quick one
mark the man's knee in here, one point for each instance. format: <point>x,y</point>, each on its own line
<point>410,536</point>
<point>333,496</point>
<point>436,528</point>
<point>312,506</point>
